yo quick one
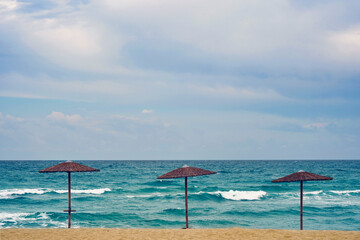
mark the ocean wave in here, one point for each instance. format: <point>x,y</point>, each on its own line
<point>89,191</point>
<point>12,217</point>
<point>295,195</point>
<point>345,191</point>
<point>12,193</point>
<point>153,195</point>
<point>153,189</point>
<point>161,183</point>
<point>276,188</point>
<point>314,192</point>
<point>323,193</point>
<point>10,220</point>
<point>240,195</point>
<point>214,196</point>
<point>273,212</point>
<point>101,216</point>
<point>333,198</point>
<point>173,211</point>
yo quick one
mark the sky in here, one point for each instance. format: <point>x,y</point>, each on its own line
<point>178,80</point>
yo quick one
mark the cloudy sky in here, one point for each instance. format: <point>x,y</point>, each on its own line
<point>159,79</point>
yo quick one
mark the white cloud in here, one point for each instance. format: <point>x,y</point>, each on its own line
<point>345,46</point>
<point>69,119</point>
<point>76,40</point>
<point>10,118</point>
<point>15,119</point>
<point>8,5</point>
<point>316,125</point>
<point>147,111</point>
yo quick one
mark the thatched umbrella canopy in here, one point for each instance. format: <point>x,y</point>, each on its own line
<point>185,172</point>
<point>69,167</point>
<point>301,176</point>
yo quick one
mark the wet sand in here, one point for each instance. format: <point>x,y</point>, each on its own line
<point>173,234</point>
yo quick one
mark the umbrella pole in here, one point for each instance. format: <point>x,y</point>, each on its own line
<point>301,205</point>
<point>186,204</point>
<point>69,195</point>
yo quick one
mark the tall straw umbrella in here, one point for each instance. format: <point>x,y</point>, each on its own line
<point>301,176</point>
<point>69,167</point>
<point>185,172</point>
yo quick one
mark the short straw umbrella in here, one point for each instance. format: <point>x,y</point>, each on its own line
<point>301,176</point>
<point>185,172</point>
<point>69,167</point>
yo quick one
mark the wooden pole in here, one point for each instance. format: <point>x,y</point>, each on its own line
<point>301,205</point>
<point>69,195</point>
<point>186,204</point>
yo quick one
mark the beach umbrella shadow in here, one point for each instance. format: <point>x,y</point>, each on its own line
<point>69,167</point>
<point>301,176</point>
<point>185,172</point>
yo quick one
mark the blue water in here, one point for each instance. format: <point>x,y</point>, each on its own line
<point>126,194</point>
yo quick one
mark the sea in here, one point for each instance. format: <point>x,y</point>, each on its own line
<point>127,194</point>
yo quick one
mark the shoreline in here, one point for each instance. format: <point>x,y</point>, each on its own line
<point>139,233</point>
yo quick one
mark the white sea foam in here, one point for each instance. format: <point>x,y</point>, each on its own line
<point>313,193</point>
<point>89,191</point>
<point>241,195</point>
<point>232,195</point>
<point>43,215</point>
<point>9,193</point>
<point>346,191</point>
<point>12,217</point>
<point>21,219</point>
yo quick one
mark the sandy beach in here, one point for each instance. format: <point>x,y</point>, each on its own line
<point>208,234</point>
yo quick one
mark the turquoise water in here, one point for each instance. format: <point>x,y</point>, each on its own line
<point>126,194</point>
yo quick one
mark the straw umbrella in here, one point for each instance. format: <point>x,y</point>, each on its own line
<point>185,172</point>
<point>69,167</point>
<point>301,176</point>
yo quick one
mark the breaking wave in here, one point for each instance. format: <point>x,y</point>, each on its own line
<point>13,193</point>
<point>28,220</point>
<point>313,193</point>
<point>89,191</point>
<point>346,192</point>
<point>241,195</point>
<point>214,196</point>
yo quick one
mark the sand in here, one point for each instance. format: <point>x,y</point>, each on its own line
<point>173,234</point>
